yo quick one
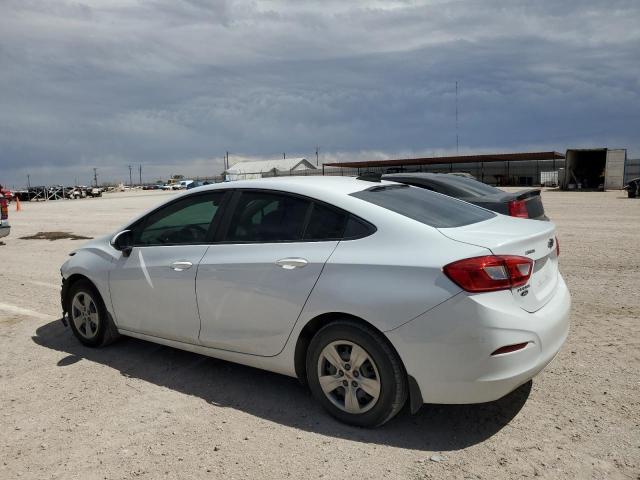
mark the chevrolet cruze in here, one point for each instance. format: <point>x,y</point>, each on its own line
<point>372,293</point>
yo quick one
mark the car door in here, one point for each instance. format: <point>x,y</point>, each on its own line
<point>253,284</point>
<point>153,289</point>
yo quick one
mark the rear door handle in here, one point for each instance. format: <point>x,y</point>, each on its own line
<point>291,263</point>
<point>181,265</point>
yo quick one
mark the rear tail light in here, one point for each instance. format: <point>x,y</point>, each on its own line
<point>557,247</point>
<point>4,211</point>
<point>518,208</point>
<point>490,273</point>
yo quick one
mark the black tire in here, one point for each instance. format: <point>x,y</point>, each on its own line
<point>106,332</point>
<point>392,377</point>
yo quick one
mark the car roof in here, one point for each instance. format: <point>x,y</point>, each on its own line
<point>332,190</point>
<point>321,187</point>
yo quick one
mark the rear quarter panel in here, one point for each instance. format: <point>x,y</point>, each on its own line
<point>390,277</point>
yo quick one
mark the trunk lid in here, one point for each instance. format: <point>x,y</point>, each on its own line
<point>505,235</point>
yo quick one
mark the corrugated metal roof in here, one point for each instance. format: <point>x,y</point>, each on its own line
<point>258,166</point>
<point>497,157</point>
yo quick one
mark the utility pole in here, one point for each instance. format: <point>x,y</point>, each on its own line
<point>457,139</point>
<point>130,178</point>
<point>284,155</point>
<point>95,176</point>
<point>226,161</point>
<point>317,148</point>
<point>28,181</point>
<point>140,173</point>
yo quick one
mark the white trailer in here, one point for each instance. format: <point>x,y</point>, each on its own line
<point>594,168</point>
<point>615,168</point>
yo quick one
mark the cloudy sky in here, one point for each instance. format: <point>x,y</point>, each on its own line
<point>174,84</point>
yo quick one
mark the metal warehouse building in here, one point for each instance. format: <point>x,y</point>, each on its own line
<point>579,168</point>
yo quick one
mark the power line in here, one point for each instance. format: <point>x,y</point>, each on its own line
<point>457,139</point>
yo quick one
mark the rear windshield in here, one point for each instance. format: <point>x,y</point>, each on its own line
<point>424,206</point>
<point>469,186</point>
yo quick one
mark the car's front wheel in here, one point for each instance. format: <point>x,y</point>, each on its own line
<point>355,374</point>
<point>88,317</point>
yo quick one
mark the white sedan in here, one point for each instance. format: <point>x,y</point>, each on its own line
<point>373,293</point>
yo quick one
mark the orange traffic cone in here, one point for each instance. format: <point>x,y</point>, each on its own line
<point>18,207</point>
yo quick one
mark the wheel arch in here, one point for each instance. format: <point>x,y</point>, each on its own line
<point>72,280</point>
<point>313,326</point>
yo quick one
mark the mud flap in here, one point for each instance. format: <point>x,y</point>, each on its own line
<point>415,396</point>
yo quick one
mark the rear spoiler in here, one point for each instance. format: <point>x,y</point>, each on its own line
<point>524,194</point>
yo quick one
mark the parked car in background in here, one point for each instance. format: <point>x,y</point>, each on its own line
<point>77,192</point>
<point>184,184</point>
<point>523,204</point>
<point>4,216</point>
<point>328,279</point>
<point>94,192</point>
<point>633,188</point>
<point>197,183</point>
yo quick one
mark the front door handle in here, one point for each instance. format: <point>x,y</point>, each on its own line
<point>181,265</point>
<point>291,263</point>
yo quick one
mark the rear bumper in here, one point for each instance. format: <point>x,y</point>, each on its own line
<point>448,349</point>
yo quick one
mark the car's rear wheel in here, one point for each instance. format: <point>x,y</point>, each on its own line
<point>88,317</point>
<point>355,374</point>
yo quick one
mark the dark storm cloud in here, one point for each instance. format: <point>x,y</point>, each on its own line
<point>172,85</point>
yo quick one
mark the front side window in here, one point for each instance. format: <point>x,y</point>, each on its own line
<point>268,217</point>
<point>187,221</point>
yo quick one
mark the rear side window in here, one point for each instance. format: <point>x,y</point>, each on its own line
<point>325,223</point>
<point>357,228</point>
<point>268,217</point>
<point>424,206</point>
<point>330,223</point>
<point>264,217</point>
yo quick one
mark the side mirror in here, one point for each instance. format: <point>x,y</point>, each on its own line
<point>123,242</point>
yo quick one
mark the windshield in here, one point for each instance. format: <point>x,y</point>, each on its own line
<point>469,186</point>
<point>424,206</point>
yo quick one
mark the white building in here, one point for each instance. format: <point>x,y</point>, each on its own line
<point>268,168</point>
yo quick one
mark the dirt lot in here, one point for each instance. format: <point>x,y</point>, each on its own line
<point>136,409</point>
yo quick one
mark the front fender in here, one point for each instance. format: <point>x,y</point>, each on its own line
<point>95,263</point>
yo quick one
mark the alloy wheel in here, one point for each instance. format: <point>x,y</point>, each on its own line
<point>349,377</point>
<point>84,314</point>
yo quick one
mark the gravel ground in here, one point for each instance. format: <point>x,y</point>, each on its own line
<point>137,409</point>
